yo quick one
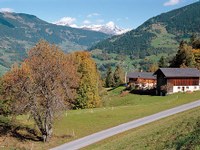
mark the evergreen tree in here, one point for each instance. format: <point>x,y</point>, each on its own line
<point>184,56</point>
<point>153,68</point>
<point>162,62</point>
<point>192,39</point>
<point>5,107</point>
<point>195,41</point>
<point>118,76</point>
<point>109,82</point>
<point>197,58</point>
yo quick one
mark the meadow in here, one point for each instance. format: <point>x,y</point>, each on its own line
<point>117,108</point>
<point>180,131</point>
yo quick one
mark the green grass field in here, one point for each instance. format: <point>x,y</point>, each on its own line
<point>117,109</point>
<point>163,39</point>
<point>181,131</point>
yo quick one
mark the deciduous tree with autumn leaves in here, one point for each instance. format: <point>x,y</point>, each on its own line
<point>88,87</point>
<point>50,81</point>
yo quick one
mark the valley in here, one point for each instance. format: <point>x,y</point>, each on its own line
<point>158,36</point>
<point>72,69</point>
<point>20,32</point>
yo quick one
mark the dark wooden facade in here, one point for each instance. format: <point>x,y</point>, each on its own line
<point>142,81</point>
<point>183,81</point>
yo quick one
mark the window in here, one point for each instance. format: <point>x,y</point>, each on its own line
<point>179,87</point>
<point>187,87</point>
<point>195,87</point>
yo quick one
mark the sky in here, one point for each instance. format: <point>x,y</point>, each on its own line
<point>127,14</point>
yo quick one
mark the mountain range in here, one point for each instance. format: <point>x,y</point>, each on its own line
<point>160,34</point>
<point>19,32</point>
<point>108,28</point>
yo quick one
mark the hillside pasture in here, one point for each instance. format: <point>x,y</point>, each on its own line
<point>117,109</point>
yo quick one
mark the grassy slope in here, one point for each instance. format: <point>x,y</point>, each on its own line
<point>180,131</point>
<point>127,63</point>
<point>117,110</point>
<point>163,38</point>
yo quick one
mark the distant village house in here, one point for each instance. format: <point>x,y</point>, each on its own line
<point>141,80</point>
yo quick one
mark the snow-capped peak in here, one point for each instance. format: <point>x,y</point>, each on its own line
<point>65,21</point>
<point>108,28</point>
<point>111,25</point>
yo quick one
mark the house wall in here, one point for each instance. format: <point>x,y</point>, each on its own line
<point>183,81</point>
<point>143,83</point>
<point>185,89</point>
<point>183,85</point>
<point>132,80</point>
<point>140,80</point>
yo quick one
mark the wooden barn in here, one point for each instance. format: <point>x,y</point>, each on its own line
<point>172,80</point>
<point>143,80</point>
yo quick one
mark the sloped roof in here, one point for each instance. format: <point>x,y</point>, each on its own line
<point>143,75</point>
<point>179,72</point>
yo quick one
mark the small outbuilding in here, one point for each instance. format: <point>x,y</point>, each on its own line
<point>172,80</point>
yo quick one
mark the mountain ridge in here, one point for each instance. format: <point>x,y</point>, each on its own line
<point>158,34</point>
<point>20,31</point>
<point>109,28</point>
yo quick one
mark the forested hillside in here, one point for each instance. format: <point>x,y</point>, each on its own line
<point>19,32</point>
<point>160,34</point>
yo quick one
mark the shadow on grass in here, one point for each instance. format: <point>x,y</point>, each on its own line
<point>113,88</point>
<point>151,92</point>
<point>20,132</point>
<point>25,133</point>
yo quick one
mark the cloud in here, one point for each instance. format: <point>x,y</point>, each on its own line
<point>86,22</point>
<point>66,21</point>
<point>172,2</point>
<point>6,10</point>
<point>92,15</point>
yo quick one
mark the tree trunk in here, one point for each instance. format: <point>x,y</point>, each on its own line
<point>47,134</point>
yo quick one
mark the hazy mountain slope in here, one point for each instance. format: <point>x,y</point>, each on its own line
<point>158,34</point>
<point>19,32</point>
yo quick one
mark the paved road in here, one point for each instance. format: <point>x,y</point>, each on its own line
<point>93,138</point>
